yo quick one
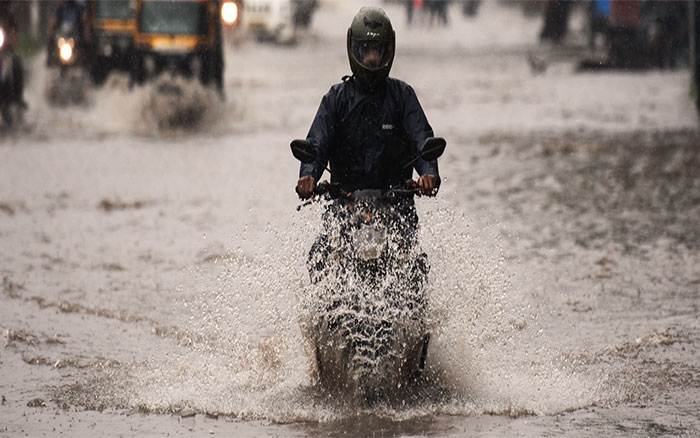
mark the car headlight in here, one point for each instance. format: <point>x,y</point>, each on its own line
<point>2,37</point>
<point>229,12</point>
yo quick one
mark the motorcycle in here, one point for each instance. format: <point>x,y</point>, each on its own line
<point>67,52</point>
<point>64,52</point>
<point>368,331</point>
<point>12,105</point>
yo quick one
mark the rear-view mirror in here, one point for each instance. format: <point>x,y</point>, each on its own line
<point>433,148</point>
<point>303,151</point>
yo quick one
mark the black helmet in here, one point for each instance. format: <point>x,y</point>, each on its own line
<point>371,46</point>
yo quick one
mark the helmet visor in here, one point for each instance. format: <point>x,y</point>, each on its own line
<point>372,54</point>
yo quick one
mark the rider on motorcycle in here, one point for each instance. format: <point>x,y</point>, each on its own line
<point>369,125</point>
<point>11,71</point>
<point>368,329</point>
<point>69,11</point>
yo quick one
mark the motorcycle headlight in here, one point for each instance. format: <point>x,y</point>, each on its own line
<point>2,37</point>
<point>65,49</point>
<point>229,12</point>
<point>369,242</point>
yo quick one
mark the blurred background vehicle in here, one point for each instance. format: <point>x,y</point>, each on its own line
<point>181,37</point>
<point>113,24</point>
<point>650,33</point>
<point>269,20</point>
<point>694,58</point>
<point>303,12</point>
<point>68,37</point>
<point>639,34</point>
<point>69,54</point>
<point>12,103</point>
<point>277,20</point>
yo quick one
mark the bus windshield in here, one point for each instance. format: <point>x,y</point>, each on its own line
<point>121,9</point>
<point>174,18</point>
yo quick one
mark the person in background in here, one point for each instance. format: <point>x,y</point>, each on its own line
<point>69,11</point>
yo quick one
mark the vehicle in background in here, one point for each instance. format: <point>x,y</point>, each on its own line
<point>66,52</point>
<point>12,105</point>
<point>181,37</point>
<point>304,11</point>
<point>277,20</point>
<point>113,24</point>
<point>694,14</point>
<point>68,38</point>
<point>640,34</point>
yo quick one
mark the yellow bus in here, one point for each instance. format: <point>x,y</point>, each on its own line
<point>113,23</point>
<point>182,37</point>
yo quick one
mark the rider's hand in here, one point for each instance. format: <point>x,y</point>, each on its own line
<point>306,186</point>
<point>428,184</point>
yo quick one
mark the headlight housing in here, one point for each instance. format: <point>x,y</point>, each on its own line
<point>369,242</point>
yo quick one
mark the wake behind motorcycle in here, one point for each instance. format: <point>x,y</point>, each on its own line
<point>368,328</point>
<point>12,105</point>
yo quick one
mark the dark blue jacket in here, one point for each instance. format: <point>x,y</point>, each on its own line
<point>71,12</point>
<point>369,135</point>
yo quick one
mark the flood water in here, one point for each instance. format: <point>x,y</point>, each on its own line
<point>153,276</point>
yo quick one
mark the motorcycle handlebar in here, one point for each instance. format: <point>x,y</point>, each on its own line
<point>328,190</point>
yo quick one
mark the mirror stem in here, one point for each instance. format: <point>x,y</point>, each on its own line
<point>410,163</point>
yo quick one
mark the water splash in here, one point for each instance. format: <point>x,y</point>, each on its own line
<point>240,350</point>
<point>176,104</point>
<point>71,87</point>
<point>165,107</point>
